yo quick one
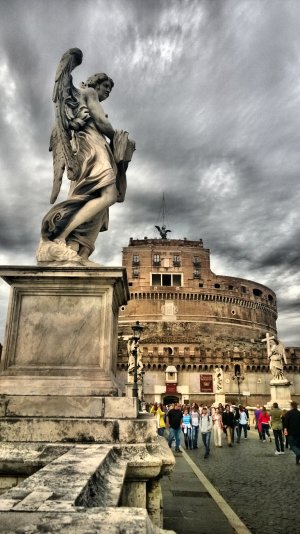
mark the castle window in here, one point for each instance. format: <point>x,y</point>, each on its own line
<point>156,259</point>
<point>200,285</point>
<point>196,274</point>
<point>135,260</point>
<point>176,260</point>
<point>217,286</point>
<point>270,298</point>
<point>243,289</point>
<point>176,279</point>
<point>196,261</point>
<point>135,273</point>
<point>230,288</point>
<point>166,280</point>
<point>257,292</point>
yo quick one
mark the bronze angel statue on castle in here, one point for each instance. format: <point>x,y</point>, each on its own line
<point>95,157</point>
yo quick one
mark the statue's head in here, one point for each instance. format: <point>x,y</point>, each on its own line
<point>101,83</point>
<point>98,78</point>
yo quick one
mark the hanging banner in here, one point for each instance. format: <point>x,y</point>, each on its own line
<point>171,388</point>
<point>206,383</point>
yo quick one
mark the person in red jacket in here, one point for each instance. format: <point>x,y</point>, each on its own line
<point>264,423</point>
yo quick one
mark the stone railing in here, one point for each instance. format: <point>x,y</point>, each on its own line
<point>103,487</point>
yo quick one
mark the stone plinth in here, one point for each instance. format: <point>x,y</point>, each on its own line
<point>280,393</point>
<point>219,398</point>
<point>61,331</point>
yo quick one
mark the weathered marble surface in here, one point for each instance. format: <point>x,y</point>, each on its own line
<point>62,324</point>
<point>280,393</point>
<point>79,430</point>
<point>81,491</point>
<point>96,168</point>
<point>71,406</point>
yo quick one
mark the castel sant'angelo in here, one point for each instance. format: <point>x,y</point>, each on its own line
<point>202,332</point>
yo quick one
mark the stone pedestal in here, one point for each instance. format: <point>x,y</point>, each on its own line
<point>280,393</point>
<point>61,331</point>
<point>219,398</point>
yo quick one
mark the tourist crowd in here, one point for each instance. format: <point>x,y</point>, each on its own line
<point>193,423</point>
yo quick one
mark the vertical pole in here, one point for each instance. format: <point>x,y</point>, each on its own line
<point>135,385</point>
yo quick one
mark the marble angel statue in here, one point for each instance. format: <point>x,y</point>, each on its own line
<point>277,359</point>
<point>95,157</point>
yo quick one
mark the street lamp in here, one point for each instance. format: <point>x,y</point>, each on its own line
<point>137,330</point>
<point>236,359</point>
<point>239,378</point>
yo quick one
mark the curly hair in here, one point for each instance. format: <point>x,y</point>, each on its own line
<point>98,78</point>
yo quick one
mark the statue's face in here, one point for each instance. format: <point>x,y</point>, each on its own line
<point>103,90</point>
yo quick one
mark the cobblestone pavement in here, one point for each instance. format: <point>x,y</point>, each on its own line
<point>263,489</point>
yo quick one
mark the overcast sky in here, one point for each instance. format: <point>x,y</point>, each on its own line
<point>210,91</point>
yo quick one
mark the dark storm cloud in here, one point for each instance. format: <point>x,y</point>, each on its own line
<point>210,90</point>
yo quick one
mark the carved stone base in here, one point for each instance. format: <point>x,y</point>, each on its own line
<point>219,398</point>
<point>61,331</point>
<point>280,393</point>
<point>60,352</point>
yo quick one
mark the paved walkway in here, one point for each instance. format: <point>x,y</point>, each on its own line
<point>246,488</point>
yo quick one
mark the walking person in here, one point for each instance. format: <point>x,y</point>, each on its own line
<point>228,425</point>
<point>205,429</point>
<point>174,422</point>
<point>285,437</point>
<point>217,427</point>
<point>195,416</point>
<point>187,428</point>
<point>292,429</point>
<point>264,422</point>
<point>257,413</point>
<point>243,424</point>
<point>236,415</point>
<point>276,425</point>
<point>160,417</point>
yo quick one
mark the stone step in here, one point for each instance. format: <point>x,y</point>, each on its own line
<point>75,430</point>
<point>58,385</point>
<point>72,406</point>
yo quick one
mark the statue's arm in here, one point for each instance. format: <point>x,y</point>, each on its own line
<point>97,113</point>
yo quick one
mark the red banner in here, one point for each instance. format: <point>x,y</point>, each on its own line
<point>206,383</point>
<point>171,388</point>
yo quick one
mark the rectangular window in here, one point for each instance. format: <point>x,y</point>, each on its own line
<point>135,260</point>
<point>196,273</point>
<point>176,279</point>
<point>135,273</point>
<point>156,259</point>
<point>156,279</point>
<point>166,280</point>
<point>176,260</point>
<point>196,261</point>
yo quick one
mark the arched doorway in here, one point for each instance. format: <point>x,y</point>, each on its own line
<point>170,399</point>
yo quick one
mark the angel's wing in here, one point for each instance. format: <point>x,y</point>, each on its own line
<point>65,97</point>
<point>168,231</point>
<point>59,163</point>
<point>158,228</point>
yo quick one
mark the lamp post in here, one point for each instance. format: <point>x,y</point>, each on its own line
<point>236,358</point>
<point>137,330</point>
<point>239,378</point>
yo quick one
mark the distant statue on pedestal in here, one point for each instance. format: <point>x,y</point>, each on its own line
<point>163,231</point>
<point>218,379</point>
<point>132,347</point>
<point>277,359</point>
